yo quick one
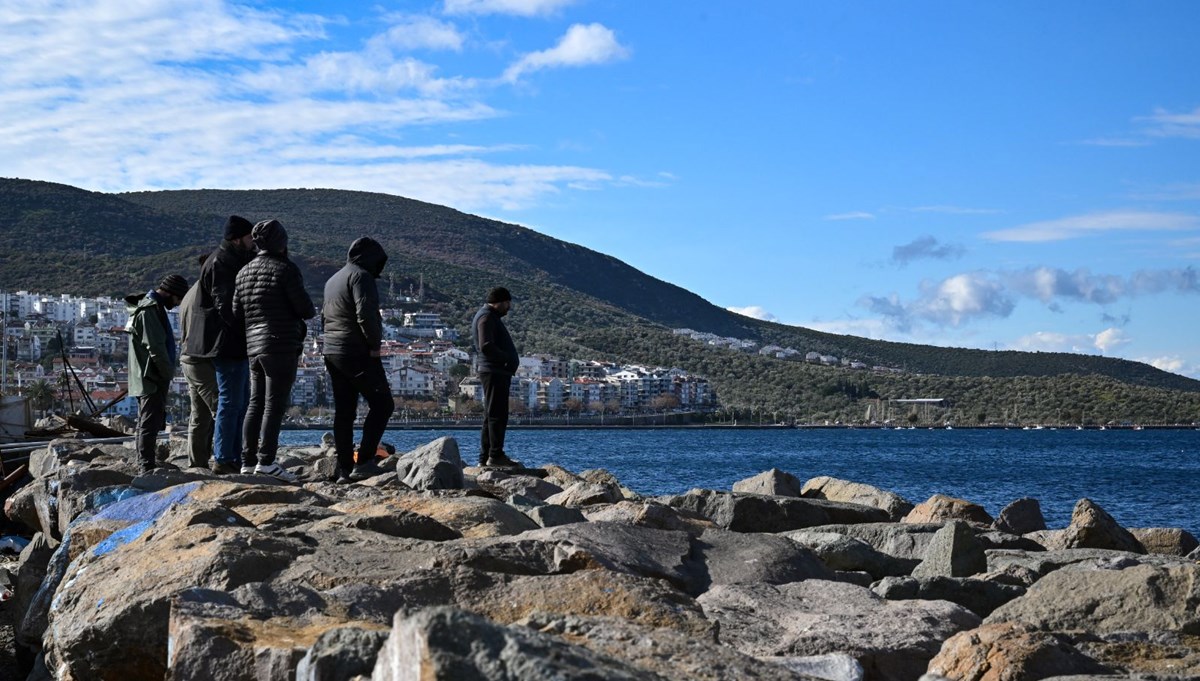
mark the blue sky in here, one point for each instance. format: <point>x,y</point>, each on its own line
<point>1021,175</point>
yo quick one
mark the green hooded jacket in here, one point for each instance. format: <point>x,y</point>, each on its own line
<point>150,366</point>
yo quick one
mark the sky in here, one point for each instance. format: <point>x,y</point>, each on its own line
<point>1020,175</point>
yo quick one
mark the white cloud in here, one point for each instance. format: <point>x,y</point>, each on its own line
<point>953,210</point>
<point>1114,142</point>
<point>1163,123</point>
<point>1174,364</point>
<point>962,297</point>
<point>1052,341</point>
<point>162,94</point>
<point>865,328</point>
<point>755,312</point>
<point>524,8</point>
<point>415,32</point>
<point>855,215</point>
<point>582,45</point>
<point>1110,339</point>
<point>926,247</point>
<point>1095,223</point>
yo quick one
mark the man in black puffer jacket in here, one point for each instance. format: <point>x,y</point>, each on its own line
<point>353,335</point>
<point>270,302</point>
<point>497,362</point>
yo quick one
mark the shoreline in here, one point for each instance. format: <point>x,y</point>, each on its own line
<point>729,426</point>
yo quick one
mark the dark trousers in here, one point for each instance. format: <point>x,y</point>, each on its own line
<point>271,379</point>
<point>495,413</point>
<point>152,418</point>
<point>352,376</point>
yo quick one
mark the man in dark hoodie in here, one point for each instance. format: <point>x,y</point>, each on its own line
<point>353,336</point>
<point>217,342</point>
<point>270,303</point>
<point>152,357</point>
<point>497,362</point>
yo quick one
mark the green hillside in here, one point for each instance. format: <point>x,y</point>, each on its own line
<point>570,300</point>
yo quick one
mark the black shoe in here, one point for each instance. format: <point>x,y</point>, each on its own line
<point>364,470</point>
<point>501,460</point>
<point>219,468</point>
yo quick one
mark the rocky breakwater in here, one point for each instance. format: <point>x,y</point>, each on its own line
<point>433,570</point>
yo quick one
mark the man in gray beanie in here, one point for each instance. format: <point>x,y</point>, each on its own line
<point>271,304</point>
<point>152,358</point>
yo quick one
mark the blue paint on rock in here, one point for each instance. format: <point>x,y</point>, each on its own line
<point>121,537</point>
<point>147,506</point>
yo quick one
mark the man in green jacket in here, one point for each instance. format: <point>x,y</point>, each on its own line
<point>152,358</point>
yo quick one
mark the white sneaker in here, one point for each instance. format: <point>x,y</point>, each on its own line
<point>248,470</point>
<point>275,471</point>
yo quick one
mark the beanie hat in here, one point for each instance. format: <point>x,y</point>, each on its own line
<point>270,237</point>
<point>498,295</point>
<point>174,285</point>
<point>237,227</point>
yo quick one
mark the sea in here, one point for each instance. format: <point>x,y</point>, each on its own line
<point>1143,478</point>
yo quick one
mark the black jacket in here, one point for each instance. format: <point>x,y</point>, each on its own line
<point>212,329</point>
<point>271,304</point>
<point>497,354</point>
<point>350,314</point>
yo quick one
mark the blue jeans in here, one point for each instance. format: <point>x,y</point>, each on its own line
<point>233,396</point>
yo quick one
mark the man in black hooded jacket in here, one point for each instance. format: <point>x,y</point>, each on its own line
<point>497,362</point>
<point>353,337</point>
<point>270,302</point>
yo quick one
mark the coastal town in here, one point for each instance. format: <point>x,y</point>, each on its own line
<point>59,348</point>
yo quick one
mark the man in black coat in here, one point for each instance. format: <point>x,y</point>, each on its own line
<point>270,302</point>
<point>353,337</point>
<point>218,341</point>
<point>497,362</point>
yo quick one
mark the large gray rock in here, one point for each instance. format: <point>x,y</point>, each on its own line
<point>906,541</point>
<point>1021,517</point>
<point>833,489</point>
<point>31,570</point>
<point>341,653</point>
<point>1169,541</point>
<point>553,515</point>
<point>1043,563</point>
<point>504,485</point>
<point>473,516</point>
<point>724,557</point>
<point>1142,598</point>
<point>586,493</point>
<point>980,596</point>
<point>891,639</point>
<point>662,653</point>
<point>953,552</point>
<point>445,644</point>
<point>1009,652</point>
<point>662,554</point>
<point>436,465</point>
<point>647,514</point>
<point>940,508</point>
<point>1093,528</point>
<point>760,513</point>
<point>843,553</point>
<point>773,482</point>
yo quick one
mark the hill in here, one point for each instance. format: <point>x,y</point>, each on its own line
<point>571,300</point>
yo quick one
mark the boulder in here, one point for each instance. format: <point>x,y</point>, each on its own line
<point>473,516</point>
<point>760,513</point>
<point>394,523</point>
<point>1021,517</point>
<point>1003,540</point>
<point>1043,563</point>
<point>840,552</point>
<point>585,493</point>
<point>560,476</point>
<point>833,489</point>
<point>830,667</point>
<point>1010,652</point>
<point>980,596</point>
<point>1141,598</point>
<point>341,653</point>
<point>953,552</point>
<point>773,482</point>
<point>599,476</point>
<point>661,653</point>
<point>890,639</point>
<point>900,540</point>
<point>75,486</point>
<point>940,508</point>
<point>647,514</point>
<point>436,465</point>
<point>1093,528</point>
<point>553,515</point>
<point>1049,540</point>
<point>31,570</point>
<point>447,644</point>
<point>724,557</point>
<point>661,554</point>
<point>1169,541</point>
<point>503,485</point>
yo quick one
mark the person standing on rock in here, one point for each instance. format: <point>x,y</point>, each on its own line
<point>270,303</point>
<point>152,357</point>
<point>497,362</point>
<point>201,379</point>
<point>353,330</point>
<point>218,338</point>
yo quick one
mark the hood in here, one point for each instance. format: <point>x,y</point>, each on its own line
<point>367,254</point>
<point>133,300</point>
<point>270,237</point>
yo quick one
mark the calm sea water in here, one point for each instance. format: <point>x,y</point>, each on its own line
<point>1147,478</point>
